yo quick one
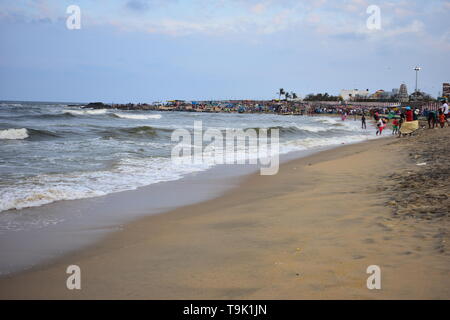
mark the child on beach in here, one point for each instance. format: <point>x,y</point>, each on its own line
<point>395,127</point>
<point>442,118</point>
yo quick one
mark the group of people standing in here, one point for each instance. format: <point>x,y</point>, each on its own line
<point>410,117</point>
<point>438,118</point>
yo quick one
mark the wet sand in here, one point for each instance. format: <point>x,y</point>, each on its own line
<point>309,232</point>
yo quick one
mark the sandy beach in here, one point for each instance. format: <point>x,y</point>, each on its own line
<point>309,232</point>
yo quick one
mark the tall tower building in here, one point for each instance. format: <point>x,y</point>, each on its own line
<point>403,93</point>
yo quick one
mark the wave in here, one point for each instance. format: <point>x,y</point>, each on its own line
<point>53,116</point>
<point>137,116</point>
<point>14,134</point>
<point>320,142</point>
<point>86,112</point>
<point>128,174</point>
<point>45,116</point>
<point>38,134</point>
<point>5,104</point>
<point>135,132</point>
<point>296,129</point>
<point>313,128</point>
<point>326,120</point>
<point>142,131</point>
<point>26,133</point>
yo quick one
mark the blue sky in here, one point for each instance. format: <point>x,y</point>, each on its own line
<point>149,50</point>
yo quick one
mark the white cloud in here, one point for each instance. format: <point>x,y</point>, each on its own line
<point>323,18</point>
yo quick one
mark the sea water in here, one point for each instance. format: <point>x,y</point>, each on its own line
<point>51,151</point>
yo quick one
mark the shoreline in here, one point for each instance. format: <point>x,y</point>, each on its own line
<point>269,238</point>
<point>71,225</point>
<point>96,217</point>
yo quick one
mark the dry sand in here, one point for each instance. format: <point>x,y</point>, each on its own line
<point>309,232</point>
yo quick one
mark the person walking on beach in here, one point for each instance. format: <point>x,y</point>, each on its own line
<point>432,119</point>
<point>363,121</point>
<point>416,114</point>
<point>442,118</point>
<point>445,111</point>
<point>376,116</point>
<point>380,126</point>
<point>409,114</point>
<point>402,116</point>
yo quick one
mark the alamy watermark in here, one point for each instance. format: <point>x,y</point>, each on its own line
<point>374,280</point>
<point>73,21</point>
<point>73,282</point>
<point>230,146</point>
<point>374,20</point>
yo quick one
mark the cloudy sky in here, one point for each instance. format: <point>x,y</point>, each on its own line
<point>149,50</point>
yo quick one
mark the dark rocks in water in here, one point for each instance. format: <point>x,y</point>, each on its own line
<point>97,105</point>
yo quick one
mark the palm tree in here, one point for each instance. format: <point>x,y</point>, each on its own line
<point>280,93</point>
<point>294,95</point>
<point>287,95</point>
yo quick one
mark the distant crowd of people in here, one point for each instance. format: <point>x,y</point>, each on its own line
<point>408,115</point>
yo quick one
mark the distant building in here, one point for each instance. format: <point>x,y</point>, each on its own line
<point>353,94</point>
<point>420,96</point>
<point>379,94</point>
<point>446,90</point>
<point>403,93</point>
<point>385,95</point>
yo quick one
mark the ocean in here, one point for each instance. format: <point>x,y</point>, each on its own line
<point>52,151</point>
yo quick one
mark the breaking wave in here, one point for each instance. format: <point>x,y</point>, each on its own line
<point>14,134</point>
<point>137,116</point>
<point>86,112</point>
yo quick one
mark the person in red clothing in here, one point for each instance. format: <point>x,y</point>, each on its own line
<point>409,114</point>
<point>395,126</point>
<point>442,119</point>
<point>380,126</point>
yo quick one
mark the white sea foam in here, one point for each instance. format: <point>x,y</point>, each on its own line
<point>137,116</point>
<point>312,128</point>
<point>312,143</point>
<point>326,120</point>
<point>13,134</point>
<point>129,174</point>
<point>87,112</point>
<point>4,104</point>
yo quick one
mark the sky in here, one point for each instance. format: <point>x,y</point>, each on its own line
<point>156,50</point>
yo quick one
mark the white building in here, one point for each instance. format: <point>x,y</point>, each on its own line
<point>351,94</point>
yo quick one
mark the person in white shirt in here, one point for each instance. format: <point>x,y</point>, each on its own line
<point>380,126</point>
<point>445,111</point>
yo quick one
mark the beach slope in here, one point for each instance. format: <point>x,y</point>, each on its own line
<point>309,232</point>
